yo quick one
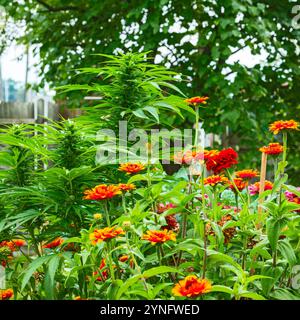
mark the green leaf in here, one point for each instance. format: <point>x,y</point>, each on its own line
<point>34,265</point>
<point>113,289</point>
<point>273,232</point>
<point>284,294</point>
<point>253,296</point>
<point>127,284</point>
<point>219,288</point>
<point>287,252</point>
<point>153,112</point>
<point>158,270</point>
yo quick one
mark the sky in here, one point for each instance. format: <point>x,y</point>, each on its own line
<point>13,63</point>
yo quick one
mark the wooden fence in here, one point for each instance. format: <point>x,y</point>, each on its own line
<point>30,112</point>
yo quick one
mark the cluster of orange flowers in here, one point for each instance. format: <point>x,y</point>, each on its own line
<point>14,244</point>
<point>240,181</point>
<point>100,235</point>
<point>6,294</point>
<point>9,247</point>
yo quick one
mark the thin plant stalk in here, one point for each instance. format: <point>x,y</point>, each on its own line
<point>105,207</point>
<point>263,171</point>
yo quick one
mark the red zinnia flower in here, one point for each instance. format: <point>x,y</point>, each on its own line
<point>272,149</point>
<point>191,286</point>
<point>280,125</point>
<point>222,160</point>
<point>100,235</point>
<point>101,192</point>
<point>196,100</point>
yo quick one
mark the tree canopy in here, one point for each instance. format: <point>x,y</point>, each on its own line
<point>199,39</point>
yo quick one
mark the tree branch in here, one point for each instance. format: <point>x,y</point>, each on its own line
<point>57,9</point>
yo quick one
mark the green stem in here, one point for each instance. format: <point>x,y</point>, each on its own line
<point>105,207</point>
<point>275,167</point>
<point>284,137</point>
<point>236,188</point>
<point>205,251</point>
<point>124,204</point>
<point>237,200</point>
<point>158,255</point>
<point>136,264</point>
<point>110,261</point>
<point>196,126</point>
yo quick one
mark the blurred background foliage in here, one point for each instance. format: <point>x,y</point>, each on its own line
<point>198,39</point>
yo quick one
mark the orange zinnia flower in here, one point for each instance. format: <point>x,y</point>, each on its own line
<point>280,125</point>
<point>272,149</point>
<point>6,294</point>
<point>100,235</point>
<point>247,174</point>
<point>196,100</point>
<point>191,286</point>
<point>126,186</point>
<point>239,183</point>
<point>159,236</point>
<point>101,192</point>
<point>53,244</point>
<point>214,180</point>
<point>131,168</point>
